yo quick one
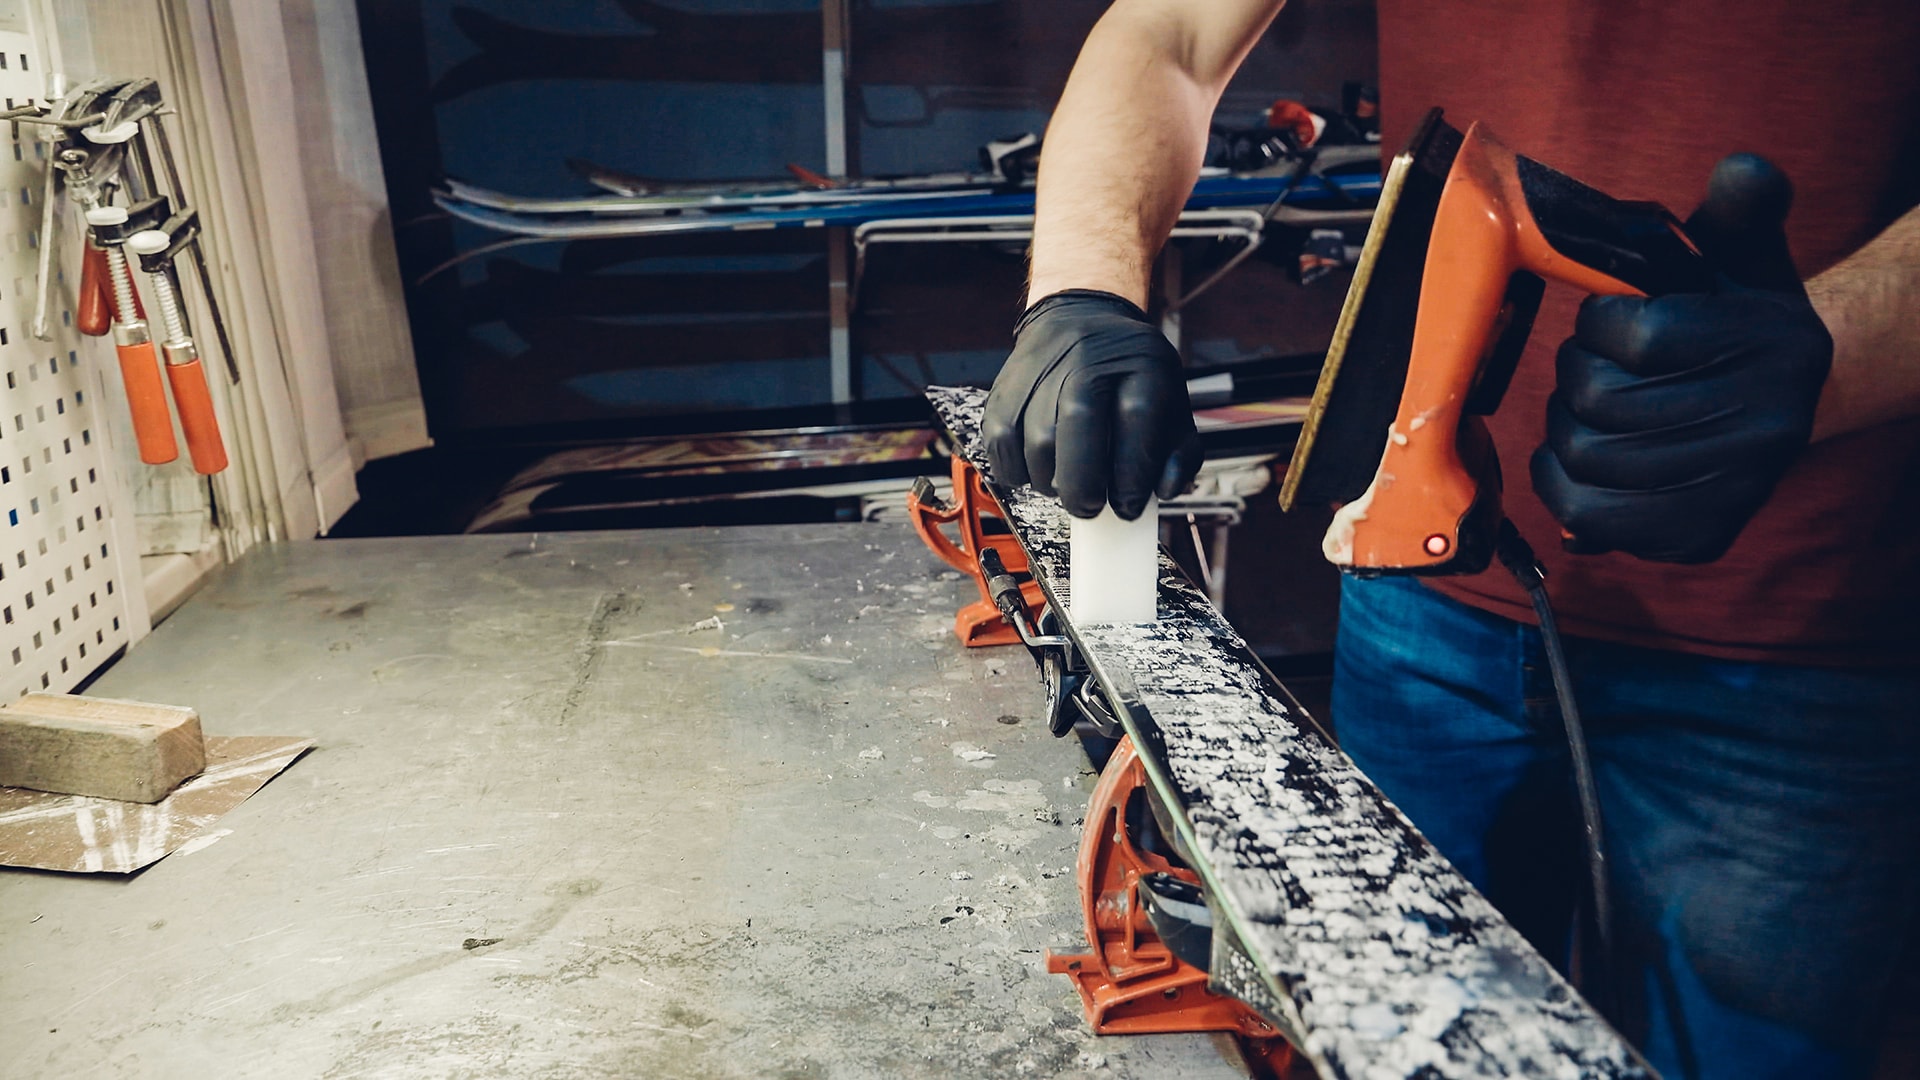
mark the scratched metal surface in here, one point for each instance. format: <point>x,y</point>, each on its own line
<point>560,823</point>
<point>1384,959</point>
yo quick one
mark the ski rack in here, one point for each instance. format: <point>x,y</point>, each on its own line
<point>1332,918</point>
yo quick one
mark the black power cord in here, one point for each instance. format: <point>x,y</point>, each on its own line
<point>1517,556</point>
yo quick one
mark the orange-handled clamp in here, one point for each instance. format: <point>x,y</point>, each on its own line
<point>93,309</point>
<point>191,397</point>
<point>92,312</point>
<point>139,367</point>
<point>195,404</point>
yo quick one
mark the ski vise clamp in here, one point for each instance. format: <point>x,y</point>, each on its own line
<point>1072,697</point>
<point>1147,969</point>
<point>981,622</point>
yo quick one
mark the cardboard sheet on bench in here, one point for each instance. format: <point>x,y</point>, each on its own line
<point>83,835</point>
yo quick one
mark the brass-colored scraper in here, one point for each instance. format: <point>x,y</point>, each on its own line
<point>1366,366</point>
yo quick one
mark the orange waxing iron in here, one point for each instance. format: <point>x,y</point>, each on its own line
<point>1442,301</point>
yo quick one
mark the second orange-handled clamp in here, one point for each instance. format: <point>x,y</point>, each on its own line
<point>139,367</point>
<point>92,313</point>
<point>191,396</point>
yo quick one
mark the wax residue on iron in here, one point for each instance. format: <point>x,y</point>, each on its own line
<point>1383,958</point>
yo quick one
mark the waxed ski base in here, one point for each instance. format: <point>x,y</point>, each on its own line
<point>1338,921</point>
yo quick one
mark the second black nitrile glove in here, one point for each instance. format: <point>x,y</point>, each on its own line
<point>1092,406</point>
<point>1673,418</point>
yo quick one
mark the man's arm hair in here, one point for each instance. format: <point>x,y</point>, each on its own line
<point>1127,139</point>
<point>1871,305</point>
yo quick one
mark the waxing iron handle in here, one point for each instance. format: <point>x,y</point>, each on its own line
<point>1739,232</point>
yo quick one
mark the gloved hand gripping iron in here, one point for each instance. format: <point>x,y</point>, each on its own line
<point>1437,317</point>
<point>1440,310</point>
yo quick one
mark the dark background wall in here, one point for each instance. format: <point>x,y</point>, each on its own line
<point>501,92</point>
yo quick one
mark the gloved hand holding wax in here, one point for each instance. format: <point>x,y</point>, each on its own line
<point>1092,406</point>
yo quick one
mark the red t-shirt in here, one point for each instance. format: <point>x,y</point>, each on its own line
<point>1640,98</point>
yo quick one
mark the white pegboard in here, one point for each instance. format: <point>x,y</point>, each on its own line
<point>63,603</point>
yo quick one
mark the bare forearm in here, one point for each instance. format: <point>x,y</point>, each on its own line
<point>1871,305</point>
<point>1128,136</point>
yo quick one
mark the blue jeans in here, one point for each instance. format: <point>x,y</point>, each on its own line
<point>1763,820</point>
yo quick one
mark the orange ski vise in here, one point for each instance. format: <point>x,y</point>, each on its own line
<point>1131,983</point>
<point>980,622</point>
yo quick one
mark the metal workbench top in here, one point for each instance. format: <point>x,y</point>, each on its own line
<point>560,823</point>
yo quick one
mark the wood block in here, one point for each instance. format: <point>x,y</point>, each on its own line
<point>128,750</point>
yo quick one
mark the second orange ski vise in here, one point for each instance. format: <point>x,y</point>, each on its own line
<point>978,623</point>
<point>1134,982</point>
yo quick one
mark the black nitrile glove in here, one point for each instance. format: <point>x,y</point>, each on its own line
<point>1092,406</point>
<point>1674,417</point>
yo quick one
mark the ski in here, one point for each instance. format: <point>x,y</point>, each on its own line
<point>1350,188</point>
<point>632,185</point>
<point>1332,918</point>
<point>608,216</point>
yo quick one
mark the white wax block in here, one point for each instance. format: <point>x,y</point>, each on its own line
<point>1114,574</point>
